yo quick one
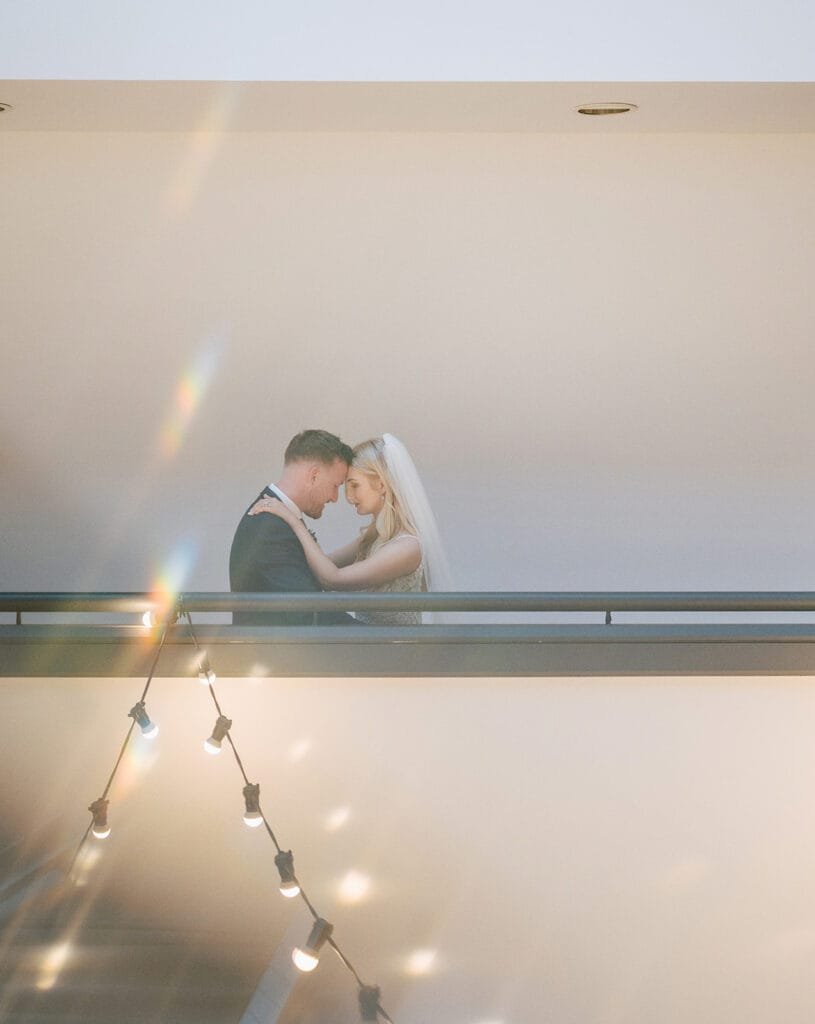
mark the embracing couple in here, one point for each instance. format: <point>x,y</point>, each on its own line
<point>398,551</point>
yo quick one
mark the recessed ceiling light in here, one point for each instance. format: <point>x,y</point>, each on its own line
<point>4,107</point>
<point>604,109</point>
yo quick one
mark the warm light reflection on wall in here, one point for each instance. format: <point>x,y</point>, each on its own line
<point>354,888</point>
<point>421,961</point>
<point>299,749</point>
<point>337,819</point>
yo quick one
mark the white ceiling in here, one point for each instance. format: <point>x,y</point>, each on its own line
<point>459,40</point>
<point>77,106</point>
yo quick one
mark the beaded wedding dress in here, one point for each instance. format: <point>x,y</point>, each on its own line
<point>412,583</point>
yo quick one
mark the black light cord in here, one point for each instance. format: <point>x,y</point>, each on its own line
<point>128,734</point>
<point>168,622</point>
<point>331,941</point>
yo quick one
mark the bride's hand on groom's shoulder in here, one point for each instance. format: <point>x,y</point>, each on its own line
<point>272,505</point>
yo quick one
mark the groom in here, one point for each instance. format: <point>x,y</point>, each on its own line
<point>266,555</point>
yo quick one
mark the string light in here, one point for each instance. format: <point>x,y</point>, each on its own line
<point>251,795</point>
<point>289,886</point>
<point>222,727</point>
<point>306,959</point>
<point>369,1002</point>
<point>205,673</point>
<point>152,618</point>
<point>99,810</point>
<point>284,860</point>
<point>139,715</point>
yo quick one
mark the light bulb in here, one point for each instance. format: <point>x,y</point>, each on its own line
<point>304,961</point>
<point>251,795</point>
<point>99,810</point>
<point>139,714</point>
<point>369,1002</point>
<point>289,886</point>
<point>220,729</point>
<point>149,619</point>
<point>207,676</point>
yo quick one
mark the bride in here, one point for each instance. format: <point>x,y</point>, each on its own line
<point>399,551</point>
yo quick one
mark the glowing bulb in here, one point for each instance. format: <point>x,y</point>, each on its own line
<point>149,619</point>
<point>289,886</point>
<point>207,676</point>
<point>139,714</point>
<point>99,810</point>
<point>251,795</point>
<point>306,959</point>
<point>220,729</point>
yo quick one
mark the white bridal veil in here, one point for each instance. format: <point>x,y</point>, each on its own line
<point>411,496</point>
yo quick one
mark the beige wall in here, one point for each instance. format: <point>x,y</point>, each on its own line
<point>598,349</point>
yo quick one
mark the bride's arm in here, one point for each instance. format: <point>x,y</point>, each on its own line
<point>396,558</point>
<point>346,554</point>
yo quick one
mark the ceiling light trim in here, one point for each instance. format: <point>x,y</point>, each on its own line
<point>605,109</point>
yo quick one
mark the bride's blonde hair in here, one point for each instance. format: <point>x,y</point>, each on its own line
<point>369,458</point>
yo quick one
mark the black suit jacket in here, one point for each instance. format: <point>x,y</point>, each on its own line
<point>266,556</point>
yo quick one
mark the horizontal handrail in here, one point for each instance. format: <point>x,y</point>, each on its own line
<point>465,601</point>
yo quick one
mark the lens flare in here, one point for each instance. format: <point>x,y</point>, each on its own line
<point>205,143</point>
<point>87,859</point>
<point>172,577</point>
<point>52,964</point>
<point>189,396</point>
<point>137,761</point>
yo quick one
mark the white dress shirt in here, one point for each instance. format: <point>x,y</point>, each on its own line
<point>286,501</point>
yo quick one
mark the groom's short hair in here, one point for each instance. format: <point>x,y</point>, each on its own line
<point>319,445</point>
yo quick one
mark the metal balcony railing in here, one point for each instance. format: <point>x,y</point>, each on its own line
<point>472,601</point>
<point>470,645</point>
